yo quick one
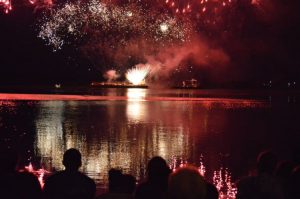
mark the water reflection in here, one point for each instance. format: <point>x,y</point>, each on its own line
<point>50,140</point>
<point>110,140</point>
<point>136,94</point>
<point>126,132</point>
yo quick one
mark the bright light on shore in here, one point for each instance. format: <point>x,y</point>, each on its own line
<point>137,75</point>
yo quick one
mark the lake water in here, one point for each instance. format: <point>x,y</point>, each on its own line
<point>124,128</point>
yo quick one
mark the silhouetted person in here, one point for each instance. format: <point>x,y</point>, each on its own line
<point>186,183</point>
<point>114,180</point>
<point>120,186</point>
<point>211,191</point>
<point>70,183</point>
<point>28,186</point>
<point>264,185</point>
<point>128,184</point>
<point>156,183</point>
<point>14,184</point>
<point>295,183</point>
<point>283,173</point>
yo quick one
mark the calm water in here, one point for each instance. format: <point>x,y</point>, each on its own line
<point>124,128</point>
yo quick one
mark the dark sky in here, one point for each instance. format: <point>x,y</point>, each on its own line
<point>261,46</point>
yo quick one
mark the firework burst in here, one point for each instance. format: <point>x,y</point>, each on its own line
<point>111,24</point>
<point>196,6</point>
<point>137,75</point>
<point>6,5</point>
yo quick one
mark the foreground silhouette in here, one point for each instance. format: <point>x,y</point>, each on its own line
<point>156,183</point>
<point>70,183</point>
<point>14,184</point>
<point>186,183</point>
<point>120,186</point>
<point>264,185</point>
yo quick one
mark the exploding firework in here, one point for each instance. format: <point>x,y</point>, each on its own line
<point>6,5</point>
<point>196,7</point>
<point>137,75</point>
<point>110,23</point>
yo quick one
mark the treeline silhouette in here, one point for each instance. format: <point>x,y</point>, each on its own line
<point>272,180</point>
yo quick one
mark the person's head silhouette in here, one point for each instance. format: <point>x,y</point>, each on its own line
<point>266,162</point>
<point>8,159</point>
<point>72,159</point>
<point>157,168</point>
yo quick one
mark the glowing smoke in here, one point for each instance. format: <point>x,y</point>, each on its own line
<point>168,59</point>
<point>137,75</point>
<point>111,75</point>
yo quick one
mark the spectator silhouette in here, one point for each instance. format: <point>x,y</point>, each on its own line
<point>129,183</point>
<point>186,183</point>
<point>70,183</point>
<point>120,186</point>
<point>114,180</point>
<point>156,183</point>
<point>295,183</point>
<point>14,184</point>
<point>283,173</point>
<point>264,184</point>
<point>211,191</point>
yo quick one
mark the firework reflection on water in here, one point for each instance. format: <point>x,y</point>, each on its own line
<point>221,177</point>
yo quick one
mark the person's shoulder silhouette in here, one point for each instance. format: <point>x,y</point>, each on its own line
<point>70,183</point>
<point>14,184</point>
<point>156,183</point>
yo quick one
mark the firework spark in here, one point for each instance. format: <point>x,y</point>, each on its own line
<point>196,6</point>
<point>109,23</point>
<point>137,75</point>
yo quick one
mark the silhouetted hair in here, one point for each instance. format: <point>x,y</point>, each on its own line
<point>128,183</point>
<point>8,159</point>
<point>266,162</point>
<point>157,168</point>
<point>211,191</point>
<point>186,183</point>
<point>114,180</point>
<point>72,159</point>
<point>284,169</point>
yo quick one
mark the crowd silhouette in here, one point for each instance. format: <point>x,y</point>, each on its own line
<point>272,180</point>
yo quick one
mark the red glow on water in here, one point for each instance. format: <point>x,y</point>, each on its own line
<point>47,97</point>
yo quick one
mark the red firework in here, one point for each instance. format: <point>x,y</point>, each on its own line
<point>196,6</point>
<point>6,5</point>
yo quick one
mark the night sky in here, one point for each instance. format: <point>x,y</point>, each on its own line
<point>261,45</point>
